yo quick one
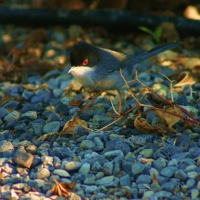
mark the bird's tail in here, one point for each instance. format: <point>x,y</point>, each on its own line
<point>156,50</point>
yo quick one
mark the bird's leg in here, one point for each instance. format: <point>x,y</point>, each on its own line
<point>120,103</point>
<point>89,103</point>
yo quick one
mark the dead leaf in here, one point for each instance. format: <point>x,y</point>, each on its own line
<point>184,79</point>
<point>3,175</point>
<point>198,161</point>
<point>154,179</point>
<point>187,125</point>
<point>146,160</point>
<point>192,12</point>
<point>63,188</point>
<point>5,99</point>
<point>34,88</point>
<point>169,119</point>
<point>143,126</point>
<point>71,124</point>
<point>76,103</point>
<point>46,136</point>
<point>191,63</point>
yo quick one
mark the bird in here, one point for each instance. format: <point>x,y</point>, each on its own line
<point>99,68</point>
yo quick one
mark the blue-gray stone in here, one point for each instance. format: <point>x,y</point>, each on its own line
<point>125,180</point>
<point>190,182</point>
<point>12,104</point>
<point>173,162</point>
<point>3,112</point>
<point>169,186</point>
<point>156,187</point>
<point>61,172</point>
<point>107,168</point>
<point>87,144</point>
<point>14,115</point>
<point>101,118</point>
<point>143,178</point>
<point>89,179</point>
<point>51,127</point>
<point>168,171</point>
<point>92,135</point>
<point>96,166</point>
<point>90,189</point>
<point>186,162</point>
<point>105,180</point>
<point>148,194</point>
<point>194,193</point>
<point>29,115</point>
<point>27,95</point>
<point>180,174</point>
<point>37,128</point>
<point>163,194</point>
<point>138,140</point>
<point>85,168</point>
<point>112,154</point>
<point>181,156</point>
<point>138,168</point>
<point>99,145</point>
<point>192,174</point>
<point>159,163</point>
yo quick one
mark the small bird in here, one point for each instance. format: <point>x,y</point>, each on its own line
<point>99,68</point>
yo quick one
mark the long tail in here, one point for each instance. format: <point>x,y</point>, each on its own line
<point>156,50</point>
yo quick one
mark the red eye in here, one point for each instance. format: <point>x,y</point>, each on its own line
<point>85,62</point>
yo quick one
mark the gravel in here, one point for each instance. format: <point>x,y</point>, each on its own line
<point>99,162</point>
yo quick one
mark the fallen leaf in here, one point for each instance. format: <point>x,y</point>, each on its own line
<point>71,124</point>
<point>76,103</point>
<point>184,79</point>
<point>192,12</point>
<point>154,179</point>
<point>46,136</point>
<point>146,160</point>
<point>169,119</point>
<point>186,125</point>
<point>190,63</point>
<point>63,188</point>
<point>33,88</point>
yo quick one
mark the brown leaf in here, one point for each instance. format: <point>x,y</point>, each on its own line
<point>71,124</point>
<point>169,119</point>
<point>3,175</point>
<point>143,126</point>
<point>154,179</point>
<point>198,161</point>
<point>146,160</point>
<point>63,189</point>
<point>5,99</point>
<point>44,137</point>
<point>33,88</point>
<point>76,103</point>
<point>184,79</point>
<point>187,125</point>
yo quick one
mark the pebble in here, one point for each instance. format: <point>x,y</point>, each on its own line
<point>51,127</point>
<point>24,159</point>
<point>147,153</point>
<point>61,172</point>
<point>43,173</point>
<point>168,171</point>
<point>87,144</point>
<point>73,165</point>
